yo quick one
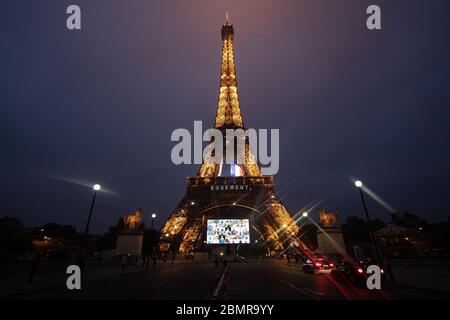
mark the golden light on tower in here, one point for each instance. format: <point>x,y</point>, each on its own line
<point>203,200</point>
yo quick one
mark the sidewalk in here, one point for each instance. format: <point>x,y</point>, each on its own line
<point>53,274</point>
<point>426,274</point>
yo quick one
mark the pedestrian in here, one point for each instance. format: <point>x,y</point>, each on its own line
<point>388,268</point>
<point>34,266</point>
<point>124,262</point>
<point>147,261</point>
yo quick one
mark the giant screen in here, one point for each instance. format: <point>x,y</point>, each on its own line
<point>225,231</point>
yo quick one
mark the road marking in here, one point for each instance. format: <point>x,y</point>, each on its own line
<point>298,289</point>
<point>219,285</point>
<point>290,285</point>
<point>316,293</point>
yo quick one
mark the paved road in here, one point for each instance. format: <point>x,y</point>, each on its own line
<point>281,281</point>
<point>252,280</point>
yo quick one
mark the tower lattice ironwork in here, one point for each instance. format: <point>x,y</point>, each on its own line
<point>245,193</point>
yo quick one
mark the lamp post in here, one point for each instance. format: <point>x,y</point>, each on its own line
<point>153,219</point>
<point>96,188</point>
<point>359,185</point>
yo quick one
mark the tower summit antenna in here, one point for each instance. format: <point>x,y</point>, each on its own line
<point>227,18</point>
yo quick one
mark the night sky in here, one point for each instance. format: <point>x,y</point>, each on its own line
<point>99,105</point>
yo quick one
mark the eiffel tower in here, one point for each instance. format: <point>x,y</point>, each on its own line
<point>228,191</point>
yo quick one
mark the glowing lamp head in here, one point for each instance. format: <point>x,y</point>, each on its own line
<point>96,187</point>
<point>305,214</point>
<point>167,235</point>
<point>192,203</point>
<point>153,215</point>
<point>360,270</point>
<point>358,184</point>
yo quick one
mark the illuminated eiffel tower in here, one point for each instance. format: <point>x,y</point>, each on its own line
<point>228,191</point>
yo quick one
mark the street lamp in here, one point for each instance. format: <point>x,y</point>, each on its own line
<point>305,214</point>
<point>153,219</point>
<point>96,188</point>
<point>359,185</point>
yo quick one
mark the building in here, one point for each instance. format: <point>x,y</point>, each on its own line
<point>234,191</point>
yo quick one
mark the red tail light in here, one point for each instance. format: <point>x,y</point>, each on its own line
<point>331,264</point>
<point>318,264</point>
<point>360,270</point>
<point>382,271</point>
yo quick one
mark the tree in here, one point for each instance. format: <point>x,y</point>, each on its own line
<point>11,225</point>
<point>59,231</point>
<point>13,238</point>
<point>439,234</point>
<point>109,239</point>
<point>356,229</point>
<point>408,220</point>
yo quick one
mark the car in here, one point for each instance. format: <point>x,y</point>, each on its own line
<point>317,264</point>
<point>354,272</point>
